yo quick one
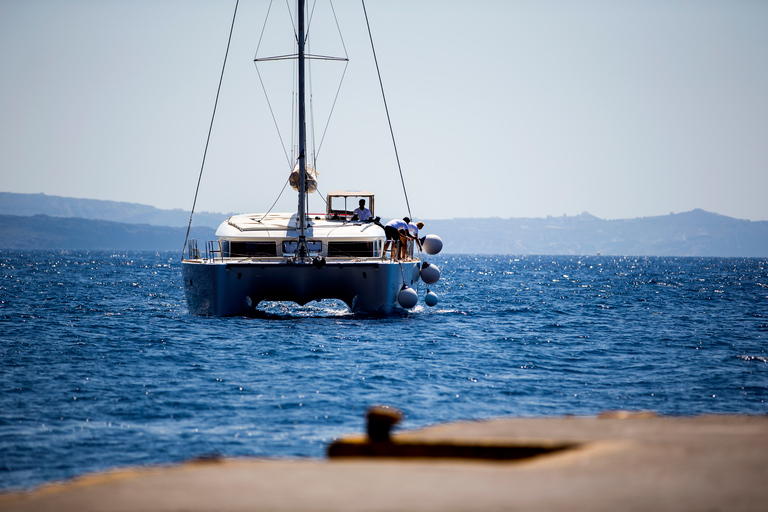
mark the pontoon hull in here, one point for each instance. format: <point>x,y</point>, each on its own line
<point>235,288</point>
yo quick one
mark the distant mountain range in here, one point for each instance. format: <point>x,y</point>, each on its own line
<point>694,233</point>
<point>129,213</point>
<point>38,221</point>
<point>38,232</point>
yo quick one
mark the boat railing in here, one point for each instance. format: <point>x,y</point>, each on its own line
<point>212,250</point>
<point>193,253</point>
<point>393,250</point>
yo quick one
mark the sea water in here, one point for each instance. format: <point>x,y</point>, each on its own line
<point>101,366</point>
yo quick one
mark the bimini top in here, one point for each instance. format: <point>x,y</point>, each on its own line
<point>341,203</point>
<point>351,193</point>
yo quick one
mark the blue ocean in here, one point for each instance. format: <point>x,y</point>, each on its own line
<point>101,366</point>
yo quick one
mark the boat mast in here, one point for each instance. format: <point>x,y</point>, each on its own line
<point>302,249</point>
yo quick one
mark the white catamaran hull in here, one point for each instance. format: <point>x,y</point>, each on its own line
<point>232,288</point>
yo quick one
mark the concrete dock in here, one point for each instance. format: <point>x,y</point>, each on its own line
<point>617,461</point>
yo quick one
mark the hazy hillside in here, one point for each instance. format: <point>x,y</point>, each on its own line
<point>694,233</point>
<point>44,232</point>
<point>131,213</point>
<point>39,221</point>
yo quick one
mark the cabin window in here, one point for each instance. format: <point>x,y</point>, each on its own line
<point>350,249</point>
<point>290,247</point>
<point>252,249</point>
<point>340,207</point>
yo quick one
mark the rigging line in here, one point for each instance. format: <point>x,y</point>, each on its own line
<point>392,133</point>
<point>346,55</point>
<point>341,82</point>
<point>333,107</point>
<point>263,28</point>
<point>321,196</point>
<point>309,21</point>
<point>269,103</point>
<point>294,92</point>
<point>311,108</point>
<point>210,129</point>
<point>295,30</point>
<point>294,114</point>
<point>400,264</point>
<point>293,56</point>
<point>276,200</point>
<point>312,155</point>
<point>274,119</point>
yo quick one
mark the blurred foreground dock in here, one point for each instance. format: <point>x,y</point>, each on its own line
<point>617,461</point>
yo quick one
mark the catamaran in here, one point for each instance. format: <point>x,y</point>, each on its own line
<point>301,256</point>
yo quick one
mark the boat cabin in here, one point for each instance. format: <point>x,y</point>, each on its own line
<point>336,235</point>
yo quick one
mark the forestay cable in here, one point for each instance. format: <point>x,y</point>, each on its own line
<point>210,129</point>
<point>392,133</point>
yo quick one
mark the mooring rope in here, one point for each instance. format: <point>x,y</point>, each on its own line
<point>210,129</point>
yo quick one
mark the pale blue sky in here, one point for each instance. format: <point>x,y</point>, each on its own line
<point>500,108</point>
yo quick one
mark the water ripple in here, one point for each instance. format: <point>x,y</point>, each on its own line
<point>101,366</point>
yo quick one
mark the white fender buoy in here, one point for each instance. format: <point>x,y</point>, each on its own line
<point>430,273</point>
<point>430,299</point>
<point>407,297</point>
<point>432,244</point>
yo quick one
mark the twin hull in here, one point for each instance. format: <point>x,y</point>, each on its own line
<point>220,288</point>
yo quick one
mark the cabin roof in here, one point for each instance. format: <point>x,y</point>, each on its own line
<point>283,226</point>
<point>350,193</point>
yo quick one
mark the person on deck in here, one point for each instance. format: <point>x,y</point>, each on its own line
<point>396,231</point>
<point>361,213</point>
<point>413,229</point>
